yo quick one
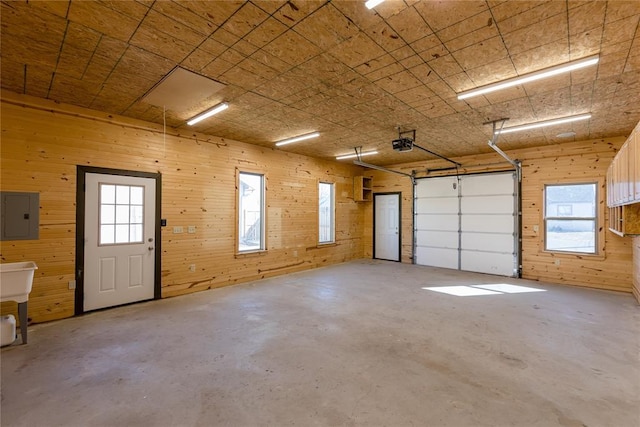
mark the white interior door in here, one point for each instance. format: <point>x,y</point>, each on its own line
<point>387,227</point>
<point>119,251</point>
<point>468,223</point>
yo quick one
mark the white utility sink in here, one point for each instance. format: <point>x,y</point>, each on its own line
<point>16,279</point>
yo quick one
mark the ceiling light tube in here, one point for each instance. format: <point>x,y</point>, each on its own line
<point>544,123</point>
<point>208,113</point>
<point>353,156</point>
<point>530,77</point>
<point>372,3</point>
<point>298,138</point>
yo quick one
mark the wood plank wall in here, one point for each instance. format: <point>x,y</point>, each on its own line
<point>570,162</point>
<point>42,143</point>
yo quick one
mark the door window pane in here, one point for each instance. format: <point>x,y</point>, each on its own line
<point>251,212</point>
<point>121,219</point>
<point>137,194</point>
<point>570,218</point>
<point>135,233</point>
<point>122,194</point>
<point>122,214</point>
<point>107,234</point>
<point>326,211</point>
<point>108,214</point>
<point>122,233</point>
<point>108,193</point>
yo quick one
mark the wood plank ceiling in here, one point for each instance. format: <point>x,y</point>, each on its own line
<point>353,74</point>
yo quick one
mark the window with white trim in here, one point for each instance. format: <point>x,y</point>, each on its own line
<point>326,213</point>
<point>121,214</point>
<point>251,229</point>
<point>570,217</point>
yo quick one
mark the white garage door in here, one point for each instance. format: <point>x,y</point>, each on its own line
<point>468,223</point>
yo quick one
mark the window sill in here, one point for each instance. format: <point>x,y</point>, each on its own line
<point>323,245</point>
<point>574,255</point>
<point>247,254</point>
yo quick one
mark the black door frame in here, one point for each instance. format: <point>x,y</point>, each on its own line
<point>80,231</point>
<point>399,194</point>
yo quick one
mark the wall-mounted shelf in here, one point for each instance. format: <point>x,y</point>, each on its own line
<point>625,220</point>
<point>623,187</point>
<point>623,175</point>
<point>362,189</point>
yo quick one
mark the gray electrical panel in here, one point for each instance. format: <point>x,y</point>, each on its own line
<point>20,216</point>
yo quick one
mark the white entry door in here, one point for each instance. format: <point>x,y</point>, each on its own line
<point>387,227</point>
<point>119,250</point>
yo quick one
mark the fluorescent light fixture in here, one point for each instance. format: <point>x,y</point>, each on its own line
<point>208,113</point>
<point>544,123</point>
<point>530,77</point>
<point>353,156</point>
<point>298,138</point>
<point>372,3</point>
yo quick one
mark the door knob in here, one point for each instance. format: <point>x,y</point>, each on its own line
<point>150,248</point>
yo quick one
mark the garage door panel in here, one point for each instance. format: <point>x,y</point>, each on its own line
<point>437,257</point>
<point>487,184</point>
<point>487,204</point>
<point>438,239</point>
<point>488,223</point>
<point>437,222</point>
<point>487,262</point>
<point>481,220</point>
<point>448,205</point>
<point>437,187</point>
<point>489,242</point>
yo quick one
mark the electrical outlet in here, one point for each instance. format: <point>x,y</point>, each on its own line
<point>72,284</point>
<point>556,262</point>
<point>191,229</point>
<point>192,268</point>
<point>177,230</point>
<point>536,228</point>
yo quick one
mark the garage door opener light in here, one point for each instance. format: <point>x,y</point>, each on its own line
<point>530,77</point>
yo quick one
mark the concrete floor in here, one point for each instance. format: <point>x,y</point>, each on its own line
<point>354,344</point>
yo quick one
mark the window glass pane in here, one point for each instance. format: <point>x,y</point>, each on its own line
<point>325,211</point>
<point>137,195</point>
<point>122,214</point>
<point>107,193</point>
<point>136,215</point>
<point>577,201</point>
<point>122,233</point>
<point>135,233</point>
<point>250,221</point>
<point>107,234</point>
<point>571,235</point>
<point>107,214</point>
<point>122,195</point>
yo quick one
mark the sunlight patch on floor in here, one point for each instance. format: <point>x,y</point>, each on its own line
<point>489,289</point>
